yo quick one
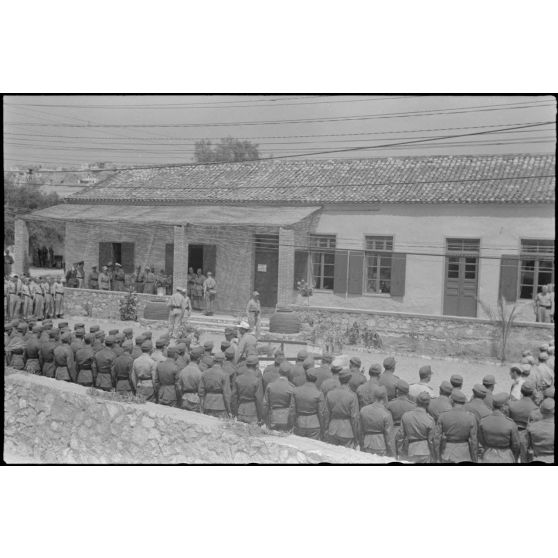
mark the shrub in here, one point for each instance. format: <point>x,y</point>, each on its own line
<point>129,306</point>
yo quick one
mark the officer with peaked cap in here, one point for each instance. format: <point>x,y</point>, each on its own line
<point>442,403</point>
<point>33,358</point>
<point>247,342</point>
<point>416,436</point>
<point>86,367</point>
<point>498,434</point>
<point>165,380</point>
<point>399,406</point>
<point>376,425</point>
<point>388,379</point>
<point>104,360</point>
<point>540,434</point>
<point>455,438</point>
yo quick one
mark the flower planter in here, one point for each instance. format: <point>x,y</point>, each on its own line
<point>284,321</point>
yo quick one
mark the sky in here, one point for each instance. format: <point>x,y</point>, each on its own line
<point>62,130</point>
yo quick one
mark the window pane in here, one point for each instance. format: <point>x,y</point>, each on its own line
<point>463,245</point>
<point>327,283</point>
<point>329,259</point>
<point>322,241</point>
<point>526,291</point>
<point>537,246</point>
<point>385,287</point>
<point>379,243</point>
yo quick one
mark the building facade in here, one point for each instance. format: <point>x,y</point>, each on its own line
<point>429,235</point>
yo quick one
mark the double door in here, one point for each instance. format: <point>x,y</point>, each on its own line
<point>461,277</point>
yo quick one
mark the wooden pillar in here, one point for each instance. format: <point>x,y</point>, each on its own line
<point>180,268</point>
<point>21,246</point>
<point>285,286</point>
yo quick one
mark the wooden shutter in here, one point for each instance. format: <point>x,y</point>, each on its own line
<point>300,267</point>
<point>105,254</point>
<point>356,262</point>
<point>169,259</point>
<point>340,272</point>
<point>398,265</point>
<point>509,275</point>
<point>127,254</point>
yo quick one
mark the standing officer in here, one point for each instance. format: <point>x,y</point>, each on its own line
<point>271,372</point>
<point>47,352</point>
<point>365,392</point>
<point>253,311</point>
<point>118,278</point>
<point>228,366</point>
<point>104,360</point>
<point>209,294</point>
<point>519,412</point>
<point>441,403</point>
<point>298,375</point>
<point>165,380</point>
<point>215,390</point>
<point>543,304</point>
<point>342,419</point>
<point>64,360</point>
<point>104,279</point>
<point>189,379</point>
<point>417,433</point>
<point>476,403</point>
<point>456,433</point>
<point>33,358</point>
<point>425,375</point>
<point>85,362</point>
<point>376,425</point>
<point>489,381</point>
<point>247,397</point>
<point>49,297</point>
<point>178,305</point>
<point>80,275</point>
<point>333,382</point>
<point>540,434</point>
<point>38,299</point>
<point>456,382</point>
<point>143,371</point>
<point>323,372</point>
<point>309,403</point>
<point>26,299</point>
<point>93,279</point>
<point>388,379</point>
<point>246,344</point>
<point>358,378</point>
<point>398,407</point>
<point>122,371</point>
<point>498,434</point>
<point>58,291</point>
<point>278,401</point>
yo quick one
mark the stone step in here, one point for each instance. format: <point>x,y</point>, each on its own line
<point>221,320</point>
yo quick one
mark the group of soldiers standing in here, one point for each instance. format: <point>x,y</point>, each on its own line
<point>41,297</point>
<point>113,278</point>
<point>334,402</point>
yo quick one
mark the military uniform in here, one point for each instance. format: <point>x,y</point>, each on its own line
<point>329,384</point>
<point>309,404</point>
<point>342,419</point>
<point>215,392</point>
<point>298,375</point>
<point>398,407</point>
<point>417,436</point>
<point>519,412</point>
<point>499,438</point>
<point>64,363</point>
<point>165,382</point>
<point>438,406</point>
<point>104,360</point>
<point>189,379</point>
<point>47,353</point>
<point>357,377</point>
<point>478,408</point>
<point>540,434</point>
<point>375,429</point>
<point>270,374</point>
<point>33,357</point>
<point>323,373</point>
<point>389,380</point>
<point>86,366</point>
<point>365,392</point>
<point>118,278</point>
<point>278,404</point>
<point>143,370</point>
<point>122,373</point>
<point>93,279</point>
<point>248,397</point>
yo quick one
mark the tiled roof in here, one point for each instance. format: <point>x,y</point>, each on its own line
<point>439,179</point>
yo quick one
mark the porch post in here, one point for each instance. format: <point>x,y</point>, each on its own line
<point>21,246</point>
<point>285,285</point>
<point>180,266</point>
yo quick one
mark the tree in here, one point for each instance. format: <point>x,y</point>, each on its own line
<point>22,199</point>
<point>229,150</point>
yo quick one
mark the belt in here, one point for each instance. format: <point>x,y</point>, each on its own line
<point>372,432</point>
<point>103,372</point>
<point>81,368</point>
<point>175,307</point>
<point>247,400</point>
<point>498,447</point>
<point>305,413</point>
<point>61,294</point>
<point>190,391</point>
<point>149,282</point>
<point>122,377</point>
<point>543,306</point>
<point>418,440</point>
<point>211,391</point>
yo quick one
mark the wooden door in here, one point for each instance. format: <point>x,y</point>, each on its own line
<point>266,268</point>
<point>461,281</point>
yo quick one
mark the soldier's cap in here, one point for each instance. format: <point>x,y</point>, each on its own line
<point>425,371</point>
<point>528,388</point>
<point>94,328</point>
<point>120,337</point>
<point>252,360</point>
<point>549,392</point>
<point>310,374</point>
<point>525,369</point>
<point>302,355</point>
<point>208,345</point>
<point>181,348</point>
<point>423,398</point>
<point>355,361</point>
<point>225,345</point>
<point>36,329</point>
<point>196,352</point>
<point>172,351</point>
<point>53,333</point>
<point>489,380</point>
<point>110,340</point>
<point>402,386</point>
<point>62,325</point>
<point>89,338</point>
<point>389,363</point>
<point>379,392</point>
<point>526,353</point>
<point>516,367</point>
<point>105,268</point>
<point>219,357</point>
<point>480,391</point>
<point>99,334</point>
<point>208,360</point>
<point>160,343</point>
<point>80,333</point>
<point>345,374</point>
<point>458,396</point>
<point>500,399</point>
<point>284,367</point>
<point>66,337</point>
<point>146,345</point>
<point>544,348</point>
<point>148,334</point>
<point>528,360</point>
<point>243,325</point>
<point>181,290</point>
<point>113,332</point>
<point>308,363</point>
<point>140,339</point>
<point>327,358</point>
<point>547,406</point>
<point>117,264</point>
<point>340,362</point>
<point>147,268</point>
<point>22,326</point>
<point>230,331</point>
<point>128,331</point>
<point>230,352</point>
<point>255,294</point>
<point>543,356</point>
<point>456,380</point>
<point>209,273</point>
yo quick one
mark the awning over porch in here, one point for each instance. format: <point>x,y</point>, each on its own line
<point>210,215</point>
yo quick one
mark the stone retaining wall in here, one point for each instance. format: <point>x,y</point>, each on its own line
<point>50,421</point>
<point>437,335</point>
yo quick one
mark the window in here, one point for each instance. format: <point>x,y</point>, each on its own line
<point>536,267</point>
<point>378,264</point>
<point>322,249</point>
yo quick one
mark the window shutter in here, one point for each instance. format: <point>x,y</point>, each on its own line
<point>340,272</point>
<point>105,254</point>
<point>356,262</point>
<point>509,266</point>
<point>127,253</point>
<point>169,259</point>
<point>398,265</point>
<point>300,267</point>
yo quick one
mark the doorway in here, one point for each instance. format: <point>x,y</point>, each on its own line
<point>266,270</point>
<point>461,277</point>
<point>202,256</point>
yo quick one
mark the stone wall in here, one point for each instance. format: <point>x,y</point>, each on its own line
<point>49,421</point>
<point>436,335</point>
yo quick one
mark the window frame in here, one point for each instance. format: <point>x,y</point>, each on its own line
<point>377,254</point>
<point>537,256</point>
<point>317,281</point>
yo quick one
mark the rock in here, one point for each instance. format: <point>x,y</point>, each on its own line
<point>147,422</point>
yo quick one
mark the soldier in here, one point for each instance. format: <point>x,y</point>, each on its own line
<point>489,382</point>
<point>441,403</point>
<point>298,375</point>
<point>190,283</point>
<point>536,415</point>
<point>540,434</point>
<point>278,401</point>
<point>117,345</point>
<point>64,360</point>
<point>93,279</point>
<point>118,278</point>
<point>189,379</point>
<point>165,380</point>
<point>199,280</point>
<point>517,378</point>
<point>99,342</point>
<point>519,412</point>
<point>247,394</point>
<point>271,372</point>
<point>158,354</point>
<point>86,367</point>
<point>77,343</point>
<point>543,305</point>
<point>14,292</point>
<point>228,366</point>
<point>231,336</point>
<point>215,390</point>
<point>376,425</point>
<point>398,407</point>
<point>388,378</point>
<point>550,361</point>
<point>309,404</point>
<point>456,382</point>
<point>209,294</point>
<point>58,291</point>
<point>365,392</point>
<point>122,371</point>
<point>15,351</point>
<point>47,353</point>
<point>26,299</point>
<point>33,357</point>
<point>498,434</point>
<point>38,299</point>
<point>182,358</point>
<point>136,350</point>
<point>253,311</point>
<point>333,382</point>
<point>206,362</point>
<point>416,437</point>
<point>544,374</point>
<point>425,375</point>
<point>476,403</point>
<point>455,439</point>
<point>128,341</point>
<point>104,361</point>
<point>143,371</point>
<point>341,418</point>
<point>358,378</point>
<point>80,275</point>
<point>48,286</point>
<point>323,372</point>
<point>104,279</point>
<point>246,343</point>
